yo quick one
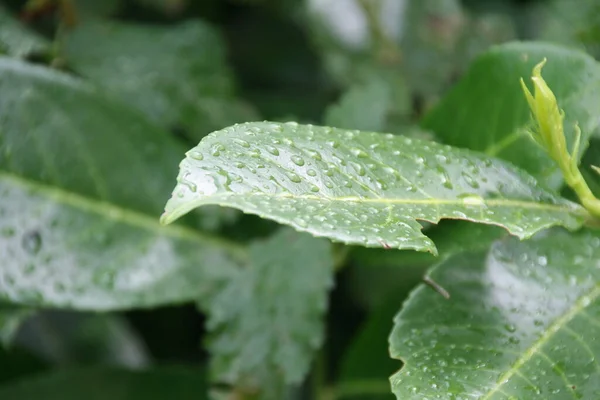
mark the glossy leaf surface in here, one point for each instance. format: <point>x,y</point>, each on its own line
<point>107,383</point>
<point>359,187</point>
<point>78,214</point>
<point>189,85</point>
<point>487,111</point>
<point>521,323</point>
<point>267,320</point>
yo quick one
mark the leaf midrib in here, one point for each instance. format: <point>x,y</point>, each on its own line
<point>572,208</point>
<point>125,215</point>
<point>552,329</point>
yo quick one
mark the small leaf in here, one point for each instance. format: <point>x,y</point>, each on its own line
<point>267,320</point>
<point>81,183</point>
<point>106,383</point>
<point>360,187</point>
<point>188,86</point>
<point>10,321</point>
<point>16,40</point>
<point>487,111</point>
<point>521,323</point>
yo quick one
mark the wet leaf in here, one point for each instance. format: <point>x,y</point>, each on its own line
<point>360,187</point>
<point>267,320</point>
<point>78,213</point>
<point>189,85</point>
<point>486,110</point>
<point>106,383</point>
<point>16,40</point>
<point>521,323</point>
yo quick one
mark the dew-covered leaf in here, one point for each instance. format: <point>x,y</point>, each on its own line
<point>266,320</point>
<point>360,187</point>
<point>487,111</point>
<point>521,323</point>
<point>82,180</point>
<point>110,383</point>
<point>16,40</point>
<point>188,86</point>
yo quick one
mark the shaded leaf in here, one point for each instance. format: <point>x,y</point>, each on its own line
<point>115,384</point>
<point>68,338</point>
<point>487,111</point>
<point>16,40</point>
<point>521,323</point>
<point>359,187</point>
<point>10,321</point>
<point>189,85</point>
<point>266,321</point>
<point>78,213</point>
<point>366,366</point>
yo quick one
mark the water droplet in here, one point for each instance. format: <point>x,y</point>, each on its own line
<point>314,189</point>
<point>471,199</point>
<point>217,149</point>
<point>299,161</point>
<point>241,142</point>
<point>293,177</point>
<point>272,150</point>
<point>333,143</point>
<point>314,154</point>
<point>311,172</point>
<point>329,185</point>
<point>32,242</point>
<point>470,180</point>
<point>359,153</point>
<point>240,165</point>
<point>187,183</point>
<point>196,155</point>
<point>510,327</point>
<point>360,170</point>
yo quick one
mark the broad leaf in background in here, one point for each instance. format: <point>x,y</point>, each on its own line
<point>10,320</point>
<point>522,322</point>
<point>267,320</point>
<point>486,110</point>
<point>360,187</point>
<point>78,213</point>
<point>16,40</point>
<point>188,86</point>
<point>106,383</point>
<point>366,366</point>
<point>568,25</point>
<point>73,338</point>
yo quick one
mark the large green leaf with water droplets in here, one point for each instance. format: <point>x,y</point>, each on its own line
<point>267,319</point>
<point>81,183</point>
<point>189,86</point>
<point>487,111</point>
<point>16,40</point>
<point>103,383</point>
<point>522,323</point>
<point>360,187</point>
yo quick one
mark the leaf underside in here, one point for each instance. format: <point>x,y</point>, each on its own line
<point>521,323</point>
<point>360,187</point>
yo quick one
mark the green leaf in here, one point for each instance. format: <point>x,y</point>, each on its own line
<point>16,40</point>
<point>366,366</point>
<point>10,321</point>
<point>360,187</point>
<point>521,323</point>
<point>115,384</point>
<point>177,76</point>
<point>487,111</point>
<point>81,183</point>
<point>267,320</point>
<point>74,338</point>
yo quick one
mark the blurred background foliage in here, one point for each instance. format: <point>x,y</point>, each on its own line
<point>194,66</point>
